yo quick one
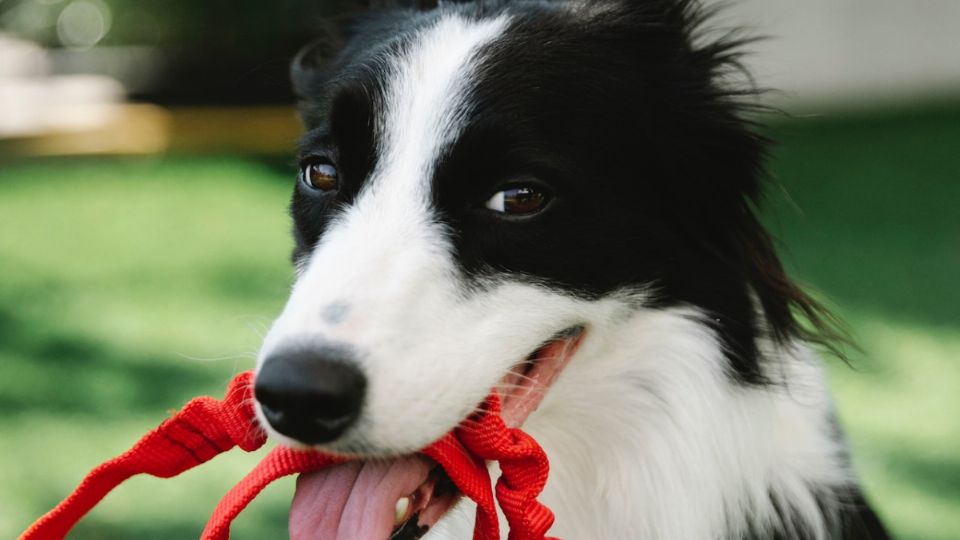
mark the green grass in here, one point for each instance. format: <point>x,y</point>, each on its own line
<point>869,218</point>
<point>128,286</point>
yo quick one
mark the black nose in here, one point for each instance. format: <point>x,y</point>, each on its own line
<point>310,394</point>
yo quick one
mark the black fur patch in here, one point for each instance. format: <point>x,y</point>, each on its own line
<point>654,171</point>
<point>849,517</point>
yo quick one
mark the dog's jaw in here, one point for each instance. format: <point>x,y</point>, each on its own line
<point>646,420</point>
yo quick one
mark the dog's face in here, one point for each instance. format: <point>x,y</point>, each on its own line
<point>477,182</point>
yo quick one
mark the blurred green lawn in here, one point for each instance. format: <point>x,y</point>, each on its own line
<point>129,285</point>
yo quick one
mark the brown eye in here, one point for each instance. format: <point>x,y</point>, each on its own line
<point>518,200</point>
<point>322,176</point>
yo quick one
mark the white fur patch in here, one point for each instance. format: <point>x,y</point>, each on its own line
<point>649,438</point>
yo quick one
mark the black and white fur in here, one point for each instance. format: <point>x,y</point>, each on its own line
<point>695,408</point>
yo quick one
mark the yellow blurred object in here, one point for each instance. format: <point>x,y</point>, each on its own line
<point>270,129</point>
<point>123,129</point>
<point>150,129</point>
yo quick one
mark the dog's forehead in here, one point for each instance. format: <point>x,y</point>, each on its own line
<point>507,77</point>
<point>425,99</point>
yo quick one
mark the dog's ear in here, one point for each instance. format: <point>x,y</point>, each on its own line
<point>311,65</point>
<point>422,5</point>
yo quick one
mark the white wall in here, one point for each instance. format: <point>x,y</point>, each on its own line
<point>851,52</point>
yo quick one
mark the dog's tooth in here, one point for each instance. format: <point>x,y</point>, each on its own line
<point>403,506</point>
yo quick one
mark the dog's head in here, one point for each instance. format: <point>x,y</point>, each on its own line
<point>483,181</point>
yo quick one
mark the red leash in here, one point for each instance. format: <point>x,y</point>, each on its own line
<point>206,427</point>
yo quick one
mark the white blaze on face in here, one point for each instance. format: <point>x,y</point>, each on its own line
<point>426,102</point>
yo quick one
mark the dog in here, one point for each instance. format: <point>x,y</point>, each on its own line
<point>556,200</point>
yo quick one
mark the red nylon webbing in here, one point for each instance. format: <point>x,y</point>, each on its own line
<point>206,427</point>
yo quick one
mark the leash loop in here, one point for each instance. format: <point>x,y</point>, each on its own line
<point>206,427</point>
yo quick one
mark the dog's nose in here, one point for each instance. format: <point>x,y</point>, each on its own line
<point>311,395</point>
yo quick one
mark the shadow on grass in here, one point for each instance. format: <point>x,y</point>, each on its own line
<point>51,371</point>
<point>936,476</point>
<point>264,518</point>
<point>93,529</point>
<point>260,521</point>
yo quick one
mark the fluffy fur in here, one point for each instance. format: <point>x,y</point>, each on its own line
<point>695,408</point>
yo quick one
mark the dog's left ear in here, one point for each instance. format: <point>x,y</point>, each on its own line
<point>421,5</point>
<point>310,70</point>
<point>310,66</point>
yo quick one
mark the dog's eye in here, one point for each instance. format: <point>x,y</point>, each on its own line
<point>518,200</point>
<point>320,175</point>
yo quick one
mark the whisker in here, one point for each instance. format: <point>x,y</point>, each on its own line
<point>235,356</point>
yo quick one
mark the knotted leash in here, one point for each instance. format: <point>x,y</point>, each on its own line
<point>206,427</point>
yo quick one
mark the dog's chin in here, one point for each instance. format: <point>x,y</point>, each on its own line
<point>397,497</point>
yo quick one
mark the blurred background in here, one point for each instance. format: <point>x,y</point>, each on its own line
<point>145,152</point>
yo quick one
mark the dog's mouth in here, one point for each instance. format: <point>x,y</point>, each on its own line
<point>401,498</point>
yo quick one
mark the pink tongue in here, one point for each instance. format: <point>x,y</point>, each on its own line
<point>355,500</point>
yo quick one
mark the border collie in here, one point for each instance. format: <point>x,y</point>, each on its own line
<point>556,200</point>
